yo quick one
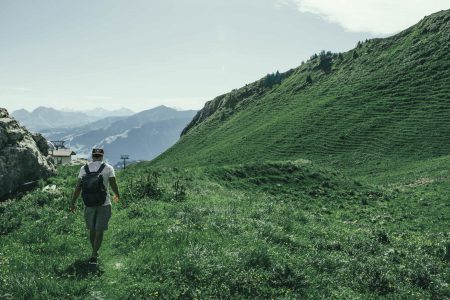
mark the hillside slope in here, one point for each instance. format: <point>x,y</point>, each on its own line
<point>387,100</point>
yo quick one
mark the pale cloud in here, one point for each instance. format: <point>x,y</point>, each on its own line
<point>280,3</point>
<point>97,97</point>
<point>374,16</point>
<point>21,89</point>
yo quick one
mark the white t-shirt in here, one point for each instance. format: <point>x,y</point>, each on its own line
<point>107,172</point>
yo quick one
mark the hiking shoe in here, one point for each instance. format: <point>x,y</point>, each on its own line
<point>93,260</point>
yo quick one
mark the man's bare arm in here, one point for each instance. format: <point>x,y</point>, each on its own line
<point>76,194</point>
<point>114,187</point>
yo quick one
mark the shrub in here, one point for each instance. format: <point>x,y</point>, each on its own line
<point>143,187</point>
<point>179,193</point>
<point>447,252</point>
<point>325,61</point>
<point>259,258</point>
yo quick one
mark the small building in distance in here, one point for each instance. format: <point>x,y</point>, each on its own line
<point>62,156</point>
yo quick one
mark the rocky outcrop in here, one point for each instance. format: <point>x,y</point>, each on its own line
<point>41,143</point>
<point>23,156</point>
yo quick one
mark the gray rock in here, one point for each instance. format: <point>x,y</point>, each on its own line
<point>23,156</point>
<point>3,138</point>
<point>4,113</point>
<point>41,142</point>
<point>15,135</point>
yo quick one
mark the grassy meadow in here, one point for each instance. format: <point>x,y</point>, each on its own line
<point>280,230</point>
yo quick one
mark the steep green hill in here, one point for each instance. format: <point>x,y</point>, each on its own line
<point>386,101</point>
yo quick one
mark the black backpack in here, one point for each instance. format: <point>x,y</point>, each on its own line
<point>93,189</point>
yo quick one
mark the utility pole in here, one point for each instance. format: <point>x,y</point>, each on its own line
<point>59,144</point>
<point>124,157</point>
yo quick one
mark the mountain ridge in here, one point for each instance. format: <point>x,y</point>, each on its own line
<point>47,117</point>
<point>103,113</point>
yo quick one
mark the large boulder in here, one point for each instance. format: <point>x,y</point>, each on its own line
<point>23,156</point>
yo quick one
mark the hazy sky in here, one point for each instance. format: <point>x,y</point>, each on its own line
<point>138,54</point>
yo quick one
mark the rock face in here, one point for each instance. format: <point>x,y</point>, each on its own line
<point>23,156</point>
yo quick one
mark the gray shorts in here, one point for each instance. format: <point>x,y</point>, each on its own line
<point>97,217</point>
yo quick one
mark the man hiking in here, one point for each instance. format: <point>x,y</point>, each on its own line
<point>93,182</point>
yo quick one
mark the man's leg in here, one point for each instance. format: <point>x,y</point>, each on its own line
<point>97,242</point>
<point>92,238</point>
<point>101,224</point>
<point>90,216</point>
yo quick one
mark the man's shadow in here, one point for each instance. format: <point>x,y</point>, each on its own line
<point>81,269</point>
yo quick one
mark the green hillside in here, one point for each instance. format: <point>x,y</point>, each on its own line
<point>386,101</point>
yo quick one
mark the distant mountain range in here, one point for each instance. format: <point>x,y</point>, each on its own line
<point>104,113</point>
<point>143,135</point>
<point>43,118</point>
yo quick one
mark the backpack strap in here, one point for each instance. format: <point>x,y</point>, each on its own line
<point>86,169</point>
<point>101,168</point>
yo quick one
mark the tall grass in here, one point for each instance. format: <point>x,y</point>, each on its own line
<point>237,234</point>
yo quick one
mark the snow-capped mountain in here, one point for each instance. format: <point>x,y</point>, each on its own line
<point>44,118</point>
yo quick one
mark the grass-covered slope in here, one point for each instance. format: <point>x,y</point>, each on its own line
<point>281,230</point>
<point>387,100</point>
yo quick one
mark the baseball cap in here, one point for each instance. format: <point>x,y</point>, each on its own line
<point>97,151</point>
